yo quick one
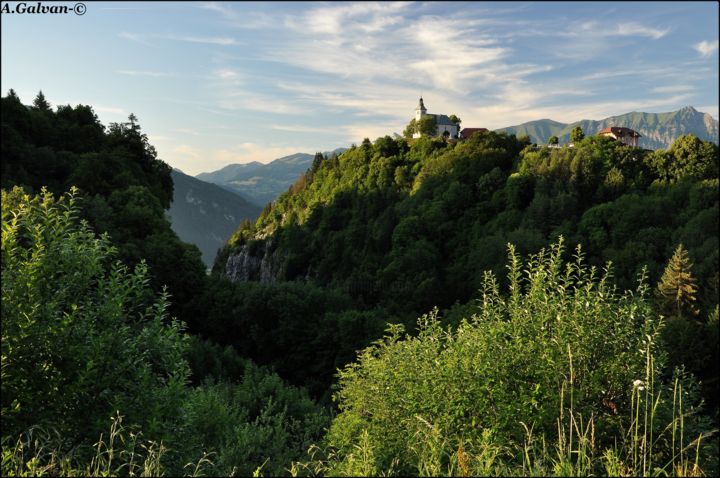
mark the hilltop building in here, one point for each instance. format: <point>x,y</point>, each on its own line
<point>467,132</point>
<point>626,136</point>
<point>445,127</point>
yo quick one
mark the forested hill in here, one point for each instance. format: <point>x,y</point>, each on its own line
<point>124,188</point>
<point>393,228</point>
<point>413,225</point>
<point>334,288</point>
<point>658,130</point>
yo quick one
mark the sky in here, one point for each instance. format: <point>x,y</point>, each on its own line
<point>215,83</point>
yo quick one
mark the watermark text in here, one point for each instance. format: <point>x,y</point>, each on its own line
<point>40,8</point>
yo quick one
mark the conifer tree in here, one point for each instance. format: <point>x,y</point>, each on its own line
<point>677,287</point>
<point>40,102</point>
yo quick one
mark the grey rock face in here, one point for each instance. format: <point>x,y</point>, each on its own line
<point>262,266</point>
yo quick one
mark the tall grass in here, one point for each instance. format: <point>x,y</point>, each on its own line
<point>122,452</point>
<point>574,452</point>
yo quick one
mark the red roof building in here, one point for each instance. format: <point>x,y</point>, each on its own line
<point>467,132</point>
<point>624,135</point>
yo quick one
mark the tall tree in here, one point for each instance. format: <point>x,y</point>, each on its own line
<point>553,140</point>
<point>677,287</point>
<point>410,129</point>
<point>455,120</point>
<point>427,126</point>
<point>577,135</point>
<point>40,102</point>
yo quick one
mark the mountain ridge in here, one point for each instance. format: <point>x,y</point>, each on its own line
<point>261,183</point>
<point>205,214</point>
<point>658,130</point>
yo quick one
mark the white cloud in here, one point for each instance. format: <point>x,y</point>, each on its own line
<point>365,64</point>
<point>636,29</point>
<point>706,48</point>
<point>209,40</point>
<point>157,137</point>
<point>109,109</point>
<point>252,101</point>
<point>713,110</point>
<point>298,128</point>
<point>355,133</point>
<point>364,16</point>
<point>227,74</point>
<point>185,131</point>
<point>217,7</point>
<point>188,151</point>
<point>144,38</point>
<point>154,74</point>
<point>136,37</point>
<point>672,89</point>
<point>592,28</point>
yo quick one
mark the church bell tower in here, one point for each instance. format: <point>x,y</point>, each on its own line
<point>420,111</point>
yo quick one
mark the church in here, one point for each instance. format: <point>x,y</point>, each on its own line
<point>445,127</point>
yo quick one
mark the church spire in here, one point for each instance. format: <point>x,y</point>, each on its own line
<point>420,111</point>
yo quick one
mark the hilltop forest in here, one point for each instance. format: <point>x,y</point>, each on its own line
<point>408,307</point>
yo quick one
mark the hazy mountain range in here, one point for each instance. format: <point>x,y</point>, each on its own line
<point>262,183</point>
<point>205,214</point>
<point>658,130</point>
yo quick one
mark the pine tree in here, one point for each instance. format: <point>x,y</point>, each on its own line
<point>677,287</point>
<point>41,103</point>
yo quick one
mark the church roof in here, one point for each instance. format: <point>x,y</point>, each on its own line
<point>443,120</point>
<point>620,131</point>
<point>467,132</point>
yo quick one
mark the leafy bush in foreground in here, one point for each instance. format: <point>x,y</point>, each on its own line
<point>82,336</point>
<point>564,360</point>
<point>85,339</point>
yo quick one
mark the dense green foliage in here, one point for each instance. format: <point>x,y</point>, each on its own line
<point>305,332</point>
<point>414,225</point>
<point>124,188</point>
<point>84,337</point>
<point>426,126</point>
<point>577,134</point>
<point>677,288</point>
<point>405,226</point>
<point>76,325</point>
<point>378,235</point>
<point>563,352</point>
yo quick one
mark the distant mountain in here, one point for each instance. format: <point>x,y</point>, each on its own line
<point>658,130</point>
<point>206,215</point>
<point>262,183</point>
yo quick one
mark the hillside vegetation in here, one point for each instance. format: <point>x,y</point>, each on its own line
<point>567,301</point>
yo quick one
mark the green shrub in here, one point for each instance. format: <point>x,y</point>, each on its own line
<point>82,336</point>
<point>560,361</point>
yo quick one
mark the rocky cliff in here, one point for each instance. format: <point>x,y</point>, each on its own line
<point>256,262</point>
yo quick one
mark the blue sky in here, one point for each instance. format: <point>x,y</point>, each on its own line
<point>220,83</point>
